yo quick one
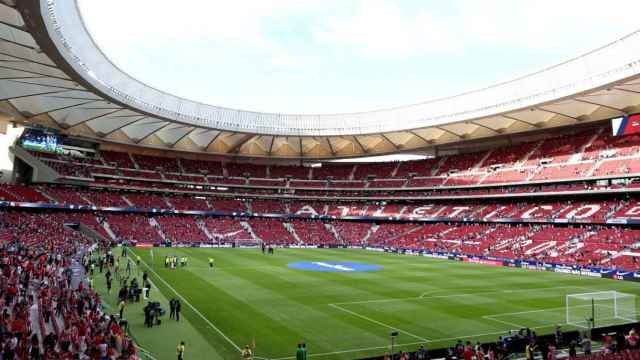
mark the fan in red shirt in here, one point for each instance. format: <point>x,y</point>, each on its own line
<point>468,352</point>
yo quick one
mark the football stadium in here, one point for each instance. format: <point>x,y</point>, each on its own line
<point>136,223</point>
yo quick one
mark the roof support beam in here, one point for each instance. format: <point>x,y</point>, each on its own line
<point>154,122</point>
<point>300,144</point>
<point>485,127</point>
<point>151,133</point>
<point>333,152</point>
<point>212,140</point>
<point>22,77</point>
<point>449,132</point>
<point>626,90</point>
<point>421,137</point>
<point>45,85</point>
<point>182,137</point>
<point>60,108</point>
<point>26,59</point>
<point>235,149</point>
<point>20,28</point>
<point>36,94</point>
<point>124,125</point>
<point>29,71</point>
<point>75,97</point>
<point>104,108</point>
<point>395,146</point>
<point>520,120</point>
<point>557,113</point>
<point>89,119</point>
<point>597,104</point>
<point>273,139</point>
<point>360,144</point>
<point>18,44</point>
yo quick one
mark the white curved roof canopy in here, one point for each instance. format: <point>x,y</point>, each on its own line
<point>69,84</point>
<point>605,65</point>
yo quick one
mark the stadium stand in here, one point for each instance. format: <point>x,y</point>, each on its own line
<point>588,154</point>
<point>181,229</point>
<point>48,314</point>
<point>526,173</point>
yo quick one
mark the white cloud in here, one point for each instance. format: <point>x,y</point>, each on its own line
<point>382,29</point>
<point>224,21</point>
<point>379,28</point>
<point>287,59</point>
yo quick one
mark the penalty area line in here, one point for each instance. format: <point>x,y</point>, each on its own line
<point>378,322</point>
<point>224,336</point>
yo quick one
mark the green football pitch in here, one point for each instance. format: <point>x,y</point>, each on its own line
<point>342,315</point>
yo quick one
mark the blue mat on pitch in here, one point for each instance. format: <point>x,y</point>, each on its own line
<point>333,266</point>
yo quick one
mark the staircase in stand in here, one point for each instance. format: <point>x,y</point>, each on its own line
<point>290,228</point>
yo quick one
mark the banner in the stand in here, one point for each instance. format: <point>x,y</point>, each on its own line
<point>477,260</point>
<point>420,219</point>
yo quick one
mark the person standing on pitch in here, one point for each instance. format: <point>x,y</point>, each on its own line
<point>180,350</point>
<point>172,308</point>
<point>211,263</point>
<point>178,308</point>
<point>247,353</point>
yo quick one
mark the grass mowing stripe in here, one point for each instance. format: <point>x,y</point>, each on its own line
<point>254,294</point>
<point>193,308</point>
<point>160,340</point>
<point>378,322</point>
<point>293,318</point>
<point>231,305</point>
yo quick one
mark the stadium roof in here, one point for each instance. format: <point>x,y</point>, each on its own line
<point>53,73</point>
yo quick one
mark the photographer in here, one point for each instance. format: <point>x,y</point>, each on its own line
<point>152,313</point>
<point>149,312</point>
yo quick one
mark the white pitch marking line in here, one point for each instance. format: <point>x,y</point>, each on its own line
<point>456,295</point>
<point>193,308</point>
<point>378,322</point>
<point>426,294</point>
<point>350,351</point>
<point>517,326</point>
<point>470,336</point>
<point>525,312</point>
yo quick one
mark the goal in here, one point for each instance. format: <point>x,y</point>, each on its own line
<point>603,308</point>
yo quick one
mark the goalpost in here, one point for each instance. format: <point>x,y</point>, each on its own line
<point>602,308</point>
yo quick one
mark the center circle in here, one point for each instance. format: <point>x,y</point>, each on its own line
<point>333,266</point>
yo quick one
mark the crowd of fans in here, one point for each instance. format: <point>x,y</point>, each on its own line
<point>48,310</point>
<point>591,152</point>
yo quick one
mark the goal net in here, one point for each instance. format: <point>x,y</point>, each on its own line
<point>603,308</point>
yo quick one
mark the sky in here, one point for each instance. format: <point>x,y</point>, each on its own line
<point>330,56</point>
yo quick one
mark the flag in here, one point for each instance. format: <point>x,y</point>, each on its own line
<point>625,125</point>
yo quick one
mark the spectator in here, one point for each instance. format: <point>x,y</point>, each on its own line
<point>586,345</point>
<point>632,340</point>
